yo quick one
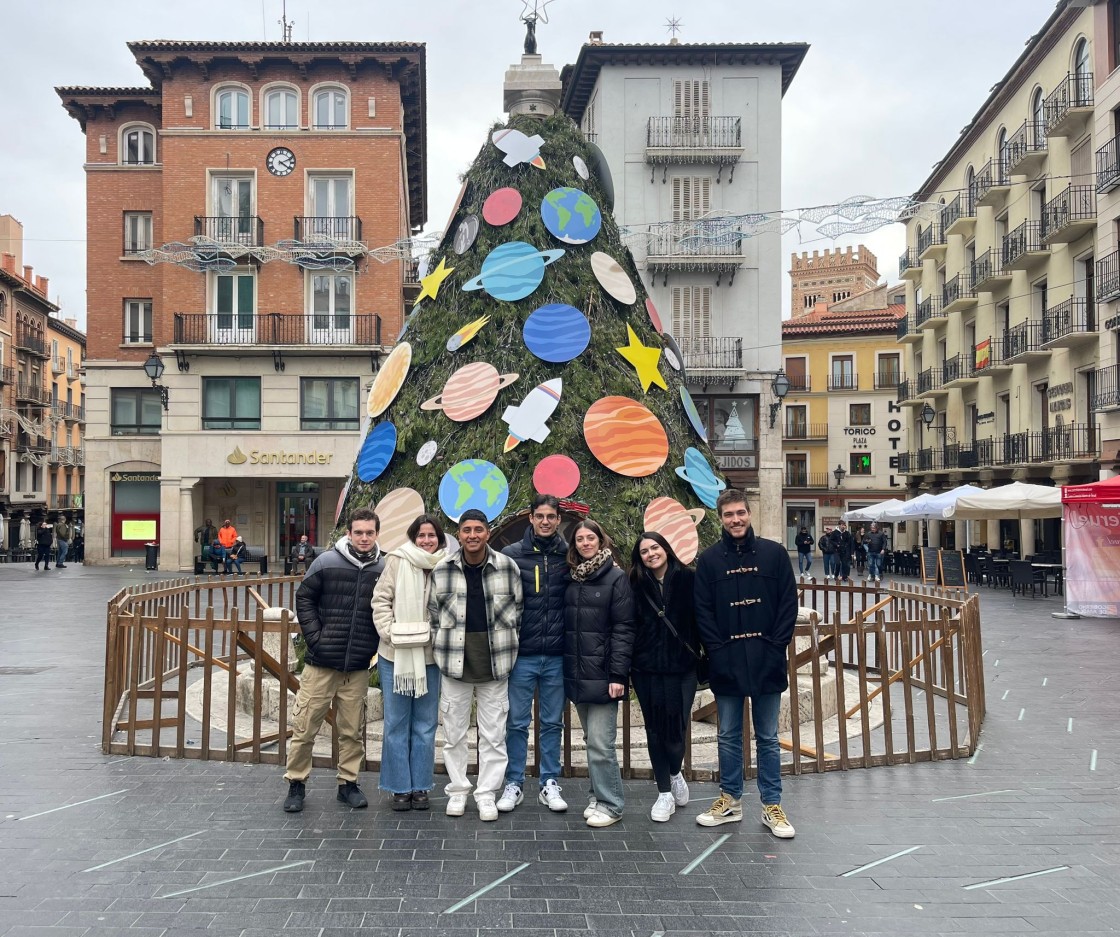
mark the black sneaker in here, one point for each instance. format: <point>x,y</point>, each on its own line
<point>420,800</point>
<point>293,803</point>
<point>351,795</point>
<point>402,802</point>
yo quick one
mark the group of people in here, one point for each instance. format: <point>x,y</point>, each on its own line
<point>480,630</point>
<point>62,537</point>
<point>221,546</point>
<point>839,547</point>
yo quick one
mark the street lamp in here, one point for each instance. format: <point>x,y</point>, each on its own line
<point>153,367</point>
<point>780,387</point>
<point>839,473</point>
<point>928,415</point>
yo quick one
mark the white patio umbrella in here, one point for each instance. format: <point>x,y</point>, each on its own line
<point>931,507</point>
<point>3,530</point>
<point>873,512</point>
<point>1015,501</point>
<point>25,533</point>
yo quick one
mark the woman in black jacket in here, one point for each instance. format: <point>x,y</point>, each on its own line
<point>666,649</point>
<point>598,642</point>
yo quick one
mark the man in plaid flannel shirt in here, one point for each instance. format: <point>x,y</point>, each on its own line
<point>475,609</point>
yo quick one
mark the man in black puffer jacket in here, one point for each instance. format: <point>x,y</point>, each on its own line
<point>336,617</point>
<point>541,556</point>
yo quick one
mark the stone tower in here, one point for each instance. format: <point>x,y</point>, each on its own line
<point>830,277</point>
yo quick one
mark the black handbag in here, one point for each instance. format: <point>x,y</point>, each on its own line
<point>702,681</point>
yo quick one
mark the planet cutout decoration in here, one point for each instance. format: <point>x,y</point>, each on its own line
<point>613,278</point>
<point>466,333</point>
<point>528,420</point>
<point>377,451</point>
<point>513,270</point>
<point>556,475</point>
<point>519,148</point>
<point>465,234</point>
<point>693,414</point>
<point>672,352</point>
<point>581,167</point>
<point>501,207</point>
<point>427,452</point>
<point>469,391</point>
<point>473,483</point>
<point>397,510</point>
<point>389,379</point>
<point>556,333</point>
<point>625,436</point>
<point>571,215</point>
<point>698,473</point>
<point>676,524</point>
<point>602,172</point>
<point>654,315</point>
<point>342,495</point>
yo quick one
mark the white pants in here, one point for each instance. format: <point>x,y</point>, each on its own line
<point>491,710</point>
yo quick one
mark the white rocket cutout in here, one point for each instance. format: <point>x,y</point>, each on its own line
<point>519,148</point>
<point>527,420</point>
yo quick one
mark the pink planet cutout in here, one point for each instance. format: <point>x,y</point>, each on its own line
<point>501,207</point>
<point>556,475</point>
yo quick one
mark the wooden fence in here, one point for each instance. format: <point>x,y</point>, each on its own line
<point>882,677</point>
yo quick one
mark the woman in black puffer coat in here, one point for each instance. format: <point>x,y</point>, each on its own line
<point>598,642</point>
<point>666,651</point>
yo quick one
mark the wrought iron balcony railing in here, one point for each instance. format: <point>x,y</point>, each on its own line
<point>1026,142</point>
<point>794,479</point>
<point>1070,442</point>
<point>244,230</point>
<point>1106,392</point>
<point>276,328</point>
<point>1108,166</point>
<point>694,133</point>
<point>1107,282</point>
<point>986,268</point>
<point>963,206</point>
<point>842,380</point>
<point>715,353</point>
<point>695,239</point>
<point>1074,207</point>
<point>908,260</point>
<point>803,431</point>
<point>907,390</point>
<point>887,379</point>
<point>990,179</point>
<point>930,379</point>
<point>326,228</point>
<point>27,340</point>
<point>1021,339</point>
<point>932,236</point>
<point>1073,92</point>
<point>1025,239</point>
<point>26,392</point>
<point>958,288</point>
<point>1072,317</point>
<point>7,376</point>
<point>799,383</point>
<point>928,309</point>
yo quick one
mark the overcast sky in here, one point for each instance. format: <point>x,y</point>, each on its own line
<point>883,93</point>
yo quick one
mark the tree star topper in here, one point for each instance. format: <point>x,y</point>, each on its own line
<point>644,359</point>
<point>432,282</point>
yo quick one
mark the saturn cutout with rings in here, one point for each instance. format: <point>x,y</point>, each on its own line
<point>469,392</point>
<point>513,270</point>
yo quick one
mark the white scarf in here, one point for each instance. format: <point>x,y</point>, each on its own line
<point>410,676</point>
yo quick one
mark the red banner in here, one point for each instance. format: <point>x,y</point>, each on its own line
<point>1092,536</point>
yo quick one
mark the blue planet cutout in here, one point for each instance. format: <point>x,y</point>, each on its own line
<point>698,473</point>
<point>693,414</point>
<point>473,483</point>
<point>571,215</point>
<point>513,270</point>
<point>377,451</point>
<point>557,332</point>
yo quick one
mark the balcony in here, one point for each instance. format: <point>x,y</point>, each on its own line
<point>990,357</point>
<point>931,381</point>
<point>1069,324</point>
<point>959,370</point>
<point>70,412</point>
<point>992,183</point>
<point>241,231</point>
<point>287,330</point>
<point>73,370</point>
<point>987,273</point>
<point>958,294</point>
<point>805,479</point>
<point>1023,248</point>
<point>707,246</point>
<point>842,380</point>
<point>929,312</point>
<point>7,376</point>
<point>713,357</point>
<point>931,242</point>
<point>909,267</point>
<point>1108,166</point>
<point>58,366</point>
<point>908,392</point>
<point>887,380</point>
<point>1023,341</point>
<point>339,232</point>
<point>1107,282</point>
<point>799,383</point>
<point>908,330</point>
<point>1106,381</point>
<point>34,394</point>
<point>66,502</point>
<point>959,216</point>
<point>1070,215</point>
<point>712,140</point>
<point>1069,107</point>
<point>31,342</point>
<point>1070,442</point>
<point>1025,150</point>
<point>804,432</point>
<point>33,445</point>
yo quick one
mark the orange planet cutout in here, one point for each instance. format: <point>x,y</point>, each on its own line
<point>676,524</point>
<point>625,436</point>
<point>397,510</point>
<point>469,391</point>
<point>389,379</point>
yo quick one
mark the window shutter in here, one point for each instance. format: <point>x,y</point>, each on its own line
<point>704,185</point>
<point>703,327</point>
<point>678,98</point>
<point>705,98</point>
<point>678,188</point>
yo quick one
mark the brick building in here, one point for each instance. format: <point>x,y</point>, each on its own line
<point>231,205</point>
<point>831,276</point>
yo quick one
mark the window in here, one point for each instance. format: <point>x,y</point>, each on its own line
<point>797,373</point>
<point>691,98</point>
<point>281,109</point>
<point>691,314</point>
<point>733,424</point>
<point>330,301</point>
<point>890,371</point>
<point>328,403</point>
<point>797,473</point>
<point>137,322</point>
<point>329,201</point>
<point>1082,74</point>
<point>231,403</point>
<point>859,414</point>
<point>859,463</point>
<point>330,109</point>
<point>138,146</point>
<point>232,209</point>
<point>137,231</point>
<point>811,299</point>
<point>843,373</point>
<point>135,411</point>
<point>692,197</point>
<point>841,295</point>
<point>797,425</point>
<point>234,306</point>
<point>233,109</point>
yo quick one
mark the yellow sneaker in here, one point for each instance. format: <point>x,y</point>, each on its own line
<point>726,809</point>
<point>774,817</point>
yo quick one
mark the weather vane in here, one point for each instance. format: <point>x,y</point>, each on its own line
<point>673,25</point>
<point>530,18</point>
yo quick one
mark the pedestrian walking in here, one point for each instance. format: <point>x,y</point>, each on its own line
<point>475,607</point>
<point>842,558</point>
<point>63,534</point>
<point>804,543</point>
<point>406,665</point>
<point>598,645</point>
<point>664,664</point>
<point>876,544</point>
<point>828,553</point>
<point>333,604</point>
<point>746,609</point>
<point>44,540</point>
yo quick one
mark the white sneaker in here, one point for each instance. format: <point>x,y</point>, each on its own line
<point>456,805</point>
<point>600,818</point>
<point>592,806</point>
<point>550,797</point>
<point>663,808</point>
<point>511,797</point>
<point>487,809</point>
<point>774,817</point>
<point>878,582</point>
<point>679,786</point>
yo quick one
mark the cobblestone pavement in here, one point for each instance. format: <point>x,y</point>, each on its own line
<point>1023,838</point>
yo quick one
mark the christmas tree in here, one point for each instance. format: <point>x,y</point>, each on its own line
<point>533,338</point>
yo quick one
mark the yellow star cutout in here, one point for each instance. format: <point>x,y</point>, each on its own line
<point>644,359</point>
<point>432,282</point>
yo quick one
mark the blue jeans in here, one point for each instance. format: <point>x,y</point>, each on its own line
<point>63,551</point>
<point>804,561</point>
<point>828,559</point>
<point>874,565</point>
<point>530,673</point>
<point>600,729</point>
<point>768,756</point>
<point>408,746</point>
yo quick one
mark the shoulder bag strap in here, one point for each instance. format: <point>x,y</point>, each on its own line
<point>665,618</point>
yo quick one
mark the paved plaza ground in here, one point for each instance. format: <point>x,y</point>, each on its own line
<point>1023,838</point>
